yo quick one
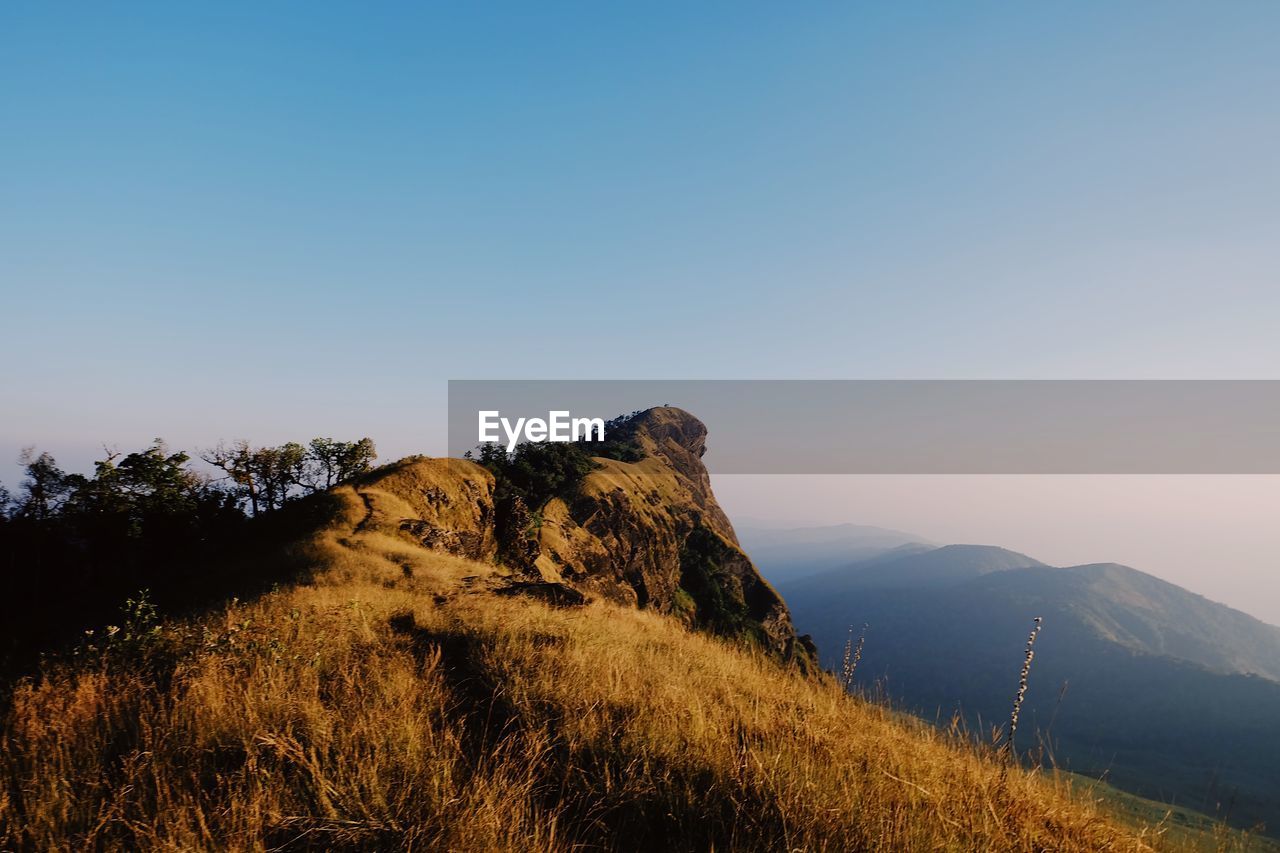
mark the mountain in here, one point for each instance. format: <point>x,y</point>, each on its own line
<point>789,553</point>
<point>533,655</point>
<point>950,564</point>
<point>1170,695</point>
<point>644,533</point>
<point>1151,616</point>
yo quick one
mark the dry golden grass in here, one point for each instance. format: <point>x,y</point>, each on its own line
<point>400,703</point>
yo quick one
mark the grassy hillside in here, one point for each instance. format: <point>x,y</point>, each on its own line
<point>1184,828</point>
<point>407,698</point>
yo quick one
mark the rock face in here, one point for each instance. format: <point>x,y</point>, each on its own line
<point>647,533</point>
<point>650,533</point>
<point>442,504</point>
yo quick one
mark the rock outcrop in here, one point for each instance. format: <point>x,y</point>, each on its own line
<point>442,504</point>
<point>647,533</point>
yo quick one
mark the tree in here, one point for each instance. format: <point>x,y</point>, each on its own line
<point>331,462</point>
<point>46,485</point>
<point>236,461</point>
<point>268,477</point>
<point>277,470</point>
<point>145,486</point>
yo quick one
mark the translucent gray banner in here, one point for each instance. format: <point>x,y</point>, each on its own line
<point>920,426</point>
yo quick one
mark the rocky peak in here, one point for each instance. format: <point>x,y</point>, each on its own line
<point>680,440</point>
<point>647,533</point>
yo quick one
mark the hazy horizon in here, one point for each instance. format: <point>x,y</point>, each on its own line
<point>1213,535</point>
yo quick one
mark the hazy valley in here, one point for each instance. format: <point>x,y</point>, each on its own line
<point>1159,690</point>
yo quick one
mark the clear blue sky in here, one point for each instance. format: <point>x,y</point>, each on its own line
<point>273,220</point>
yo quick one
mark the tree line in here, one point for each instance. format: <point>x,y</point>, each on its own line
<point>73,546</point>
<point>266,477</point>
<point>154,481</point>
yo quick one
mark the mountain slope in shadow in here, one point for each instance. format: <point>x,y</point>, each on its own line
<point>1170,695</point>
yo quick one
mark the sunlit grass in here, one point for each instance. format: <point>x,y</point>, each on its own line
<point>398,703</point>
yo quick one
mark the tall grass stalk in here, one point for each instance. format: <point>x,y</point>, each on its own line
<point>852,657</point>
<point>1022,687</point>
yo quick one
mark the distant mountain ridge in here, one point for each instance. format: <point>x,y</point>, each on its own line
<point>1122,604</point>
<point>1152,616</point>
<point>787,553</point>
<point>1171,695</point>
<point>950,564</point>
